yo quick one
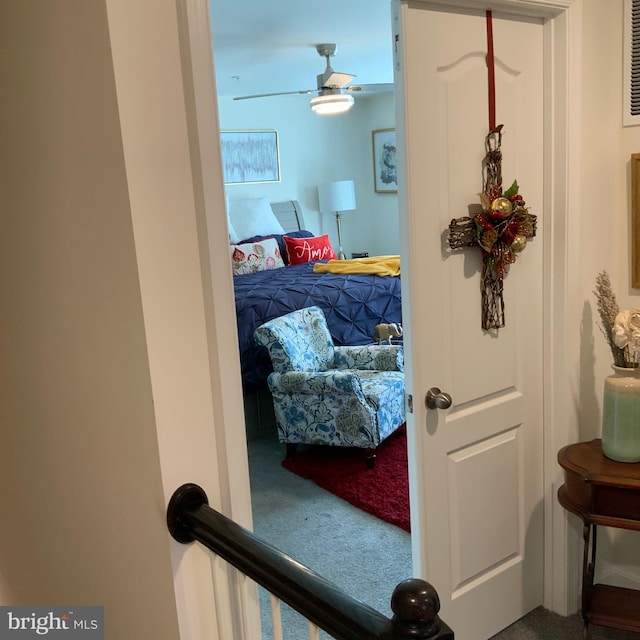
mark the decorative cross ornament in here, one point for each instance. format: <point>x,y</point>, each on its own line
<point>504,225</point>
<point>501,230</point>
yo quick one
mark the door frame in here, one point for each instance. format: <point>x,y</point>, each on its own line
<point>560,218</point>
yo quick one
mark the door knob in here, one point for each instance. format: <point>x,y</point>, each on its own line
<point>437,399</point>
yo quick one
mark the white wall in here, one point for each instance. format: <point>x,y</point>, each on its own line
<point>315,149</point>
<point>375,228</point>
<point>81,497</point>
<point>604,237</point>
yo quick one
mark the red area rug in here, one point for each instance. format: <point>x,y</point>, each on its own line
<point>382,491</point>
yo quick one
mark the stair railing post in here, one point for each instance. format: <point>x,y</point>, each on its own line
<point>415,605</point>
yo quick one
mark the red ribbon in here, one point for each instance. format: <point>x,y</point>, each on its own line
<point>491,74</point>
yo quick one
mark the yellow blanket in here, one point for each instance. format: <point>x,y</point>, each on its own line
<point>378,265</point>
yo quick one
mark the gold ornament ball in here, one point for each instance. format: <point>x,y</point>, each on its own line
<point>519,243</point>
<point>503,206</point>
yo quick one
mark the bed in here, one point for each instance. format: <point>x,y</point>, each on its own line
<point>353,304</point>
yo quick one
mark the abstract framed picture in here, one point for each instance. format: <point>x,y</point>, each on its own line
<point>250,156</point>
<point>385,176</point>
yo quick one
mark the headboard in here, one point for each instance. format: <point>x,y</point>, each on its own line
<point>289,215</point>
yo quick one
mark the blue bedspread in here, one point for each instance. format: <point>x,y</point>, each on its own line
<point>353,304</point>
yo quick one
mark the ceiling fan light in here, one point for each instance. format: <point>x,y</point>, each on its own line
<point>331,104</point>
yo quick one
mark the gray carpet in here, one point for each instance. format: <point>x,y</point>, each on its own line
<point>541,624</point>
<point>364,556</point>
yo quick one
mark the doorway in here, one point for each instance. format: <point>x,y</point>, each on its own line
<point>371,568</point>
<point>558,203</point>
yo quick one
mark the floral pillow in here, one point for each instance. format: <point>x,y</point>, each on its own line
<point>301,250</point>
<point>255,256</point>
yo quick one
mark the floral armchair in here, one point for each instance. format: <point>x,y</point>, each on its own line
<point>323,394</point>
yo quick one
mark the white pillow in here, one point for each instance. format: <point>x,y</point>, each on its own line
<point>250,217</point>
<point>233,236</point>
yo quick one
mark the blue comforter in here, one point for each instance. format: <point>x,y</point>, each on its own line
<point>353,304</point>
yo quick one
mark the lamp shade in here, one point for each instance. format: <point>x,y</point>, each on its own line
<point>337,196</point>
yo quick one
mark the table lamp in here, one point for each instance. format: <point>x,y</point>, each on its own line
<point>336,197</point>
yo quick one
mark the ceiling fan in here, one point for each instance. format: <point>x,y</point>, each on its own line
<point>334,96</point>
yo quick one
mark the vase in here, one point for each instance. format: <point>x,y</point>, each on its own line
<point>621,415</point>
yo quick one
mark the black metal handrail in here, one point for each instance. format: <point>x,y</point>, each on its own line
<point>414,602</point>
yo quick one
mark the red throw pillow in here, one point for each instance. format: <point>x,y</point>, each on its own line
<point>301,250</point>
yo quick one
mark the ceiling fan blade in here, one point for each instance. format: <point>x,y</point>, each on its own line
<point>371,88</point>
<point>281,93</point>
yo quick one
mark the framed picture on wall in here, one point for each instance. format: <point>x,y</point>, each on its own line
<point>635,220</point>
<point>385,177</point>
<point>250,156</point>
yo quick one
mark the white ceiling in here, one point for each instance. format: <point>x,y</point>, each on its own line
<point>265,46</point>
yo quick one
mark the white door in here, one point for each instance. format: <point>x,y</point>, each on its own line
<point>476,468</point>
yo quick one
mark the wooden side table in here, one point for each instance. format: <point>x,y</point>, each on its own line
<point>601,492</point>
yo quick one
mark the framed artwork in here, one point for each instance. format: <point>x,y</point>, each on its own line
<point>250,156</point>
<point>385,177</point>
<point>635,220</point>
